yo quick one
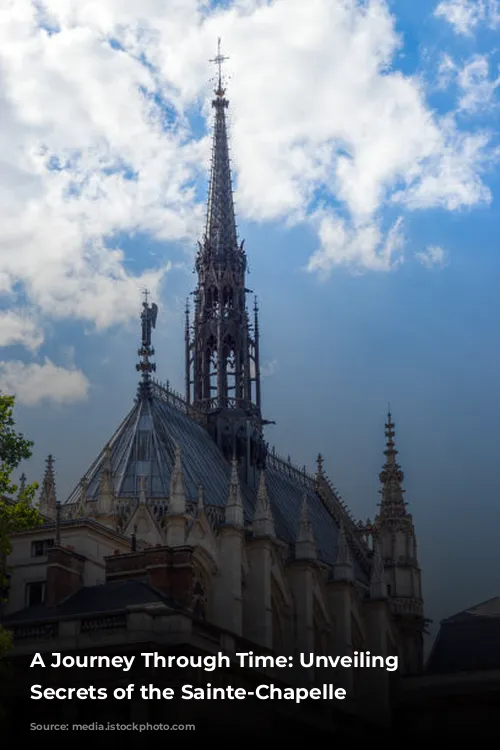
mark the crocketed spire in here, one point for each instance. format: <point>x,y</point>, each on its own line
<point>263,522</point>
<point>305,544</point>
<point>391,477</point>
<point>48,497</point>
<point>177,501</point>
<point>234,508</point>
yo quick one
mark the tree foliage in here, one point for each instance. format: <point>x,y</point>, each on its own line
<point>17,511</point>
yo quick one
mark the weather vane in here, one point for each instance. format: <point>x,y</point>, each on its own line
<point>218,61</point>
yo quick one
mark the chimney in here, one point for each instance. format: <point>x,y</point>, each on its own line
<point>167,570</point>
<point>64,574</point>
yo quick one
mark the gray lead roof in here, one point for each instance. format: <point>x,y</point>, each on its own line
<point>144,445</point>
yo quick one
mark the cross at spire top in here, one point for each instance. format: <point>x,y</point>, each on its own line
<point>218,61</point>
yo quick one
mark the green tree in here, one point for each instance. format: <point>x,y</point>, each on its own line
<point>17,511</point>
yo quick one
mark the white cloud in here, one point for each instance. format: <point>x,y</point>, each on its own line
<point>33,383</point>
<point>446,72</point>
<point>478,89</point>
<point>88,154</point>
<point>466,15</point>
<point>20,328</point>
<point>69,100</point>
<point>432,256</point>
<point>363,247</point>
<point>450,179</point>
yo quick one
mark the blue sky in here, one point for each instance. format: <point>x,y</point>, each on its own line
<point>365,152</point>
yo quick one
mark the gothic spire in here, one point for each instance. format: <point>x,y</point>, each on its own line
<point>148,322</point>
<point>48,493</point>
<point>177,500</point>
<point>234,514</point>
<point>391,477</point>
<point>222,346</point>
<point>263,521</point>
<point>220,230</point>
<point>343,569</point>
<point>305,544</point>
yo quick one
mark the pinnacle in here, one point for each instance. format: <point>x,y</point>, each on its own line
<point>343,569</point>
<point>177,502</point>
<point>48,497</point>
<point>263,522</point>
<point>234,514</point>
<point>391,476</point>
<point>305,545</point>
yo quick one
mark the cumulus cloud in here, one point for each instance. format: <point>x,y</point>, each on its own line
<point>33,383</point>
<point>96,141</point>
<point>466,15</point>
<point>476,82</point>
<point>478,89</point>
<point>362,247</point>
<point>85,156</point>
<point>432,257</point>
<point>20,328</point>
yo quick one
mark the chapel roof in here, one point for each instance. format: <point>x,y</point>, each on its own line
<point>144,446</point>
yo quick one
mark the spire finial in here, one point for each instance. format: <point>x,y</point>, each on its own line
<point>305,545</point>
<point>48,497</point>
<point>234,513</point>
<point>263,521</point>
<point>391,476</point>
<point>148,322</point>
<point>343,569</point>
<point>218,61</point>
<point>177,500</point>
